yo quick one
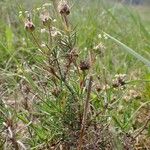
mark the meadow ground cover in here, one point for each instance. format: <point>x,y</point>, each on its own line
<point>74,75</point>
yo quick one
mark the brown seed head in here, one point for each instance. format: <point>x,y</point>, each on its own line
<point>46,19</point>
<point>84,65</point>
<point>119,80</point>
<point>63,8</point>
<point>72,56</point>
<point>29,26</point>
<point>98,88</point>
<point>56,92</point>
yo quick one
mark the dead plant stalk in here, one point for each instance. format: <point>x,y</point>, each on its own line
<point>86,107</point>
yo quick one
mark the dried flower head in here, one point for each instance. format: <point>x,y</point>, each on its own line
<point>99,49</point>
<point>29,26</point>
<point>46,19</point>
<point>56,92</point>
<point>98,88</point>
<point>105,87</point>
<point>55,32</point>
<point>84,65</point>
<point>63,8</point>
<point>72,56</point>
<point>132,94</point>
<point>119,80</point>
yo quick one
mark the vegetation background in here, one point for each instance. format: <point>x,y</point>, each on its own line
<point>43,104</point>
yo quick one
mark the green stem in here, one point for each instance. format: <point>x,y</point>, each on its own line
<point>35,40</point>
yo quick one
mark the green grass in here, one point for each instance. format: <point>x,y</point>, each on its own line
<point>44,91</point>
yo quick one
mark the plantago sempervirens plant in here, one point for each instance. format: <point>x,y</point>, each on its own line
<point>61,84</point>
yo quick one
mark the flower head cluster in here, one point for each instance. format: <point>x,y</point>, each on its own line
<point>63,8</point>
<point>119,80</point>
<point>29,26</point>
<point>46,19</point>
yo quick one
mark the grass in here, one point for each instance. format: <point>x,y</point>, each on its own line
<point>81,85</point>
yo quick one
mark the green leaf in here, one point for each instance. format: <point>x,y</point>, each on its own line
<point>9,38</point>
<point>130,51</point>
<point>116,120</point>
<point>2,46</point>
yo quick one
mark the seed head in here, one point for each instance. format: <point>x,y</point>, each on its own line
<point>63,8</point>
<point>46,19</point>
<point>72,56</point>
<point>55,32</point>
<point>98,88</point>
<point>84,65</point>
<point>119,80</point>
<point>56,92</point>
<point>100,48</point>
<point>29,26</point>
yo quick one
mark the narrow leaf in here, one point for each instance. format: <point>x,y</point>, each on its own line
<point>130,51</point>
